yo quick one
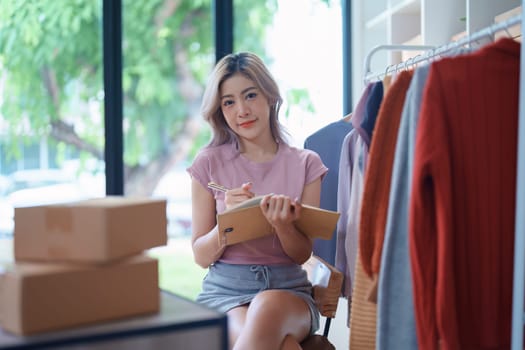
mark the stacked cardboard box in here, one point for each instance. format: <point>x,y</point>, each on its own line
<point>81,263</point>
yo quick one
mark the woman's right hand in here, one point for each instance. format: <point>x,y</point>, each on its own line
<point>238,195</point>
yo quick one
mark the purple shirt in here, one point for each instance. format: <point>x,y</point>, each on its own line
<point>287,173</point>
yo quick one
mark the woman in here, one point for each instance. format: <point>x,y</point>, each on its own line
<point>259,283</point>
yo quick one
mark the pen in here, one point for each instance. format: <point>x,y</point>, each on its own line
<point>217,187</point>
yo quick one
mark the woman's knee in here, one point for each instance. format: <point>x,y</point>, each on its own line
<point>281,311</point>
<point>271,301</point>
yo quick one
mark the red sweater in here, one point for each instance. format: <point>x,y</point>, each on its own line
<point>461,213</point>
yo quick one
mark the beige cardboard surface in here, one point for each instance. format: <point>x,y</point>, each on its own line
<point>96,230</point>
<point>40,297</point>
<point>246,221</point>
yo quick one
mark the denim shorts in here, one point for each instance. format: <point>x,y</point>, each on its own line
<point>227,286</point>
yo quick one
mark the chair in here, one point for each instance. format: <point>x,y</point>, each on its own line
<point>327,283</point>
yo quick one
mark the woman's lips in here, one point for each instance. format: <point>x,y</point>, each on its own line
<point>247,124</point>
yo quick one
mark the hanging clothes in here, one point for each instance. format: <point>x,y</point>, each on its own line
<point>382,147</point>
<point>327,142</point>
<point>344,190</point>
<point>378,174</point>
<point>359,141</point>
<point>461,212</point>
<point>396,328</point>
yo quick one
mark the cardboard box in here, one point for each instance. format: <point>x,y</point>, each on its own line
<point>38,297</point>
<point>96,230</point>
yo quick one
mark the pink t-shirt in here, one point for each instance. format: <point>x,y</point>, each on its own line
<point>287,173</point>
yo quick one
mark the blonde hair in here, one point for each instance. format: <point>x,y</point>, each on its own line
<point>253,68</point>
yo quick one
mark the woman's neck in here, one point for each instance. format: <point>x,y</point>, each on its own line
<point>259,152</point>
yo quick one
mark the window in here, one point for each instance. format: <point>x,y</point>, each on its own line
<point>168,52</point>
<point>301,41</point>
<point>51,96</point>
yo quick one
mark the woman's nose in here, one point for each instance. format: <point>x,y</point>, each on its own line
<point>244,109</point>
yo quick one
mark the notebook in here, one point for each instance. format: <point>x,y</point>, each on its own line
<point>246,221</point>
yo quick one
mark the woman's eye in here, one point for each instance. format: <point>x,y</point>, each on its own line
<point>227,103</point>
<point>251,95</point>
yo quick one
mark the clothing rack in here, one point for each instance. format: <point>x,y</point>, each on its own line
<point>518,295</point>
<point>433,52</point>
<point>368,58</point>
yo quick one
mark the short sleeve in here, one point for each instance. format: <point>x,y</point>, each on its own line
<point>200,169</point>
<point>315,167</point>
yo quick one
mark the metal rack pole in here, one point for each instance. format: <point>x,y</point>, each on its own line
<point>431,51</point>
<point>519,241</point>
<point>368,58</point>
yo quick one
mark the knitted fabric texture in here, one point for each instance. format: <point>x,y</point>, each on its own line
<point>376,191</point>
<point>362,312</point>
<point>462,204</point>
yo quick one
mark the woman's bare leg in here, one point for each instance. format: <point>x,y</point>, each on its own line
<point>236,320</point>
<point>275,320</point>
<point>290,343</point>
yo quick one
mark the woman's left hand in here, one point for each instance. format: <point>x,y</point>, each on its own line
<point>280,210</point>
